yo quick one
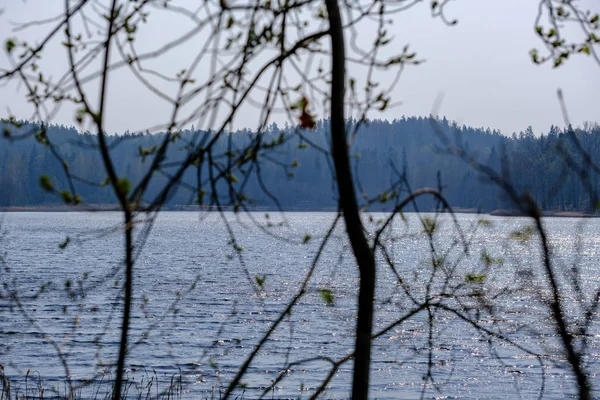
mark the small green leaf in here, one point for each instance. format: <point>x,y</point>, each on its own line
<point>143,152</point>
<point>46,183</point>
<point>485,222</point>
<point>585,49</point>
<point>429,224</point>
<point>534,56</point>
<point>260,281</point>
<point>327,296</point>
<point>488,260</point>
<point>66,196</point>
<point>42,138</point>
<point>558,62</point>
<point>123,186</point>
<point>475,278</point>
<point>9,45</point>
<point>523,234</point>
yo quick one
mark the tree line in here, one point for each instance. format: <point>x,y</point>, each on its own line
<point>298,174</point>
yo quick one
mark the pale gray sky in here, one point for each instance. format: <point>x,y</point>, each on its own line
<point>481,66</point>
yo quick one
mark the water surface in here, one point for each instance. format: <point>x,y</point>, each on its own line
<point>199,310</point>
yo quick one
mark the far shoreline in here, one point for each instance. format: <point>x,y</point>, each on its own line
<point>195,208</point>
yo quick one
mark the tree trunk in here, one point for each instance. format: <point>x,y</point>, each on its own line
<point>347,198</point>
<point>127,303</point>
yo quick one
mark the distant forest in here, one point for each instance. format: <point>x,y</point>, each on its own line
<point>298,174</point>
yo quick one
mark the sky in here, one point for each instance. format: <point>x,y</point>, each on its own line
<point>480,68</point>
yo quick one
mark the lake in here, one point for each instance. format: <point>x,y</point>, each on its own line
<point>201,306</point>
